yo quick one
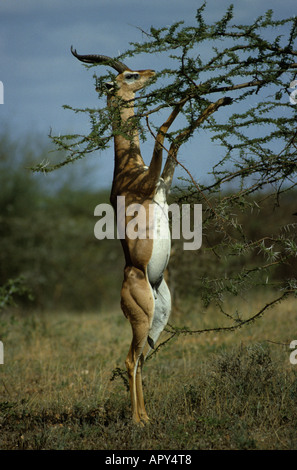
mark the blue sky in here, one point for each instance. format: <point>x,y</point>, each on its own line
<point>40,75</point>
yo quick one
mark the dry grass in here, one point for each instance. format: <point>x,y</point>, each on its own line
<point>229,390</point>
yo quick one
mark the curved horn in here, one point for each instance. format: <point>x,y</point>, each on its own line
<point>101,59</point>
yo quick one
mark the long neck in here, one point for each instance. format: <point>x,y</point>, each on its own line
<point>126,138</point>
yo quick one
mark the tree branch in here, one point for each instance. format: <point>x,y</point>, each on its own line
<point>171,161</point>
<point>239,324</point>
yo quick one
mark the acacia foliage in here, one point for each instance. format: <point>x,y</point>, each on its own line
<point>253,66</point>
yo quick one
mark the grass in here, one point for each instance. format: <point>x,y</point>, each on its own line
<point>228,390</point>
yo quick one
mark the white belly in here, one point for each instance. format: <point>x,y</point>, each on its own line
<point>161,238</point>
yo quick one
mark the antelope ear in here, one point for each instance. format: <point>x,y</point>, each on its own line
<point>107,86</point>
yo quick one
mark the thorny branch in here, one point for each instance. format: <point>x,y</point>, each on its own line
<point>176,331</point>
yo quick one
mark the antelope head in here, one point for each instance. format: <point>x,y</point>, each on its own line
<point>127,80</point>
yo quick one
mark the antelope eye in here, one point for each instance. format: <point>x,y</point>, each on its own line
<point>132,76</point>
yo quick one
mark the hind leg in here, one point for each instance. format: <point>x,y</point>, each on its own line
<point>137,304</point>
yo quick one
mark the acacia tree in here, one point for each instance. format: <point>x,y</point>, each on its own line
<point>247,68</point>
